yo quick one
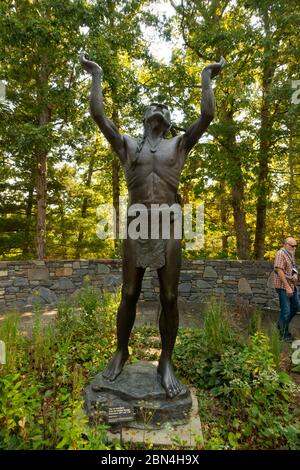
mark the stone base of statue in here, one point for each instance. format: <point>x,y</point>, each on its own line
<point>136,399</point>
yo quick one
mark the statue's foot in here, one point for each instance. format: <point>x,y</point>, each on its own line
<point>169,381</point>
<point>115,366</point>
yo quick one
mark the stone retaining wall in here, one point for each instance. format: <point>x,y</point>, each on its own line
<point>247,282</point>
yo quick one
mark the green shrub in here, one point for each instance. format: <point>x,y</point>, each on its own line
<point>41,385</point>
<point>275,345</point>
<point>219,331</point>
<point>14,344</point>
<point>255,321</point>
<point>244,376</point>
<point>198,351</point>
<point>19,406</point>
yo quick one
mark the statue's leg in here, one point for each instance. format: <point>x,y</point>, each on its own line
<point>132,283</point>
<point>169,316</point>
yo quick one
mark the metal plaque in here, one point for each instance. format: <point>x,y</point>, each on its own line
<point>120,414</point>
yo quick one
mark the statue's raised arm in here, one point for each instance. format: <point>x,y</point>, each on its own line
<point>107,127</point>
<point>197,129</point>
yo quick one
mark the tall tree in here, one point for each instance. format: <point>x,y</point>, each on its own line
<point>217,28</point>
<point>41,40</point>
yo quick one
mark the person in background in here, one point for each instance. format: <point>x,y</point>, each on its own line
<point>286,278</point>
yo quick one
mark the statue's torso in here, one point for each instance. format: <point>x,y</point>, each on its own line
<point>153,177</point>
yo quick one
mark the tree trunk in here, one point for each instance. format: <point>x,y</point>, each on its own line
<point>261,210</point>
<point>236,182</point>
<point>266,124</point>
<point>263,170</point>
<point>84,207</point>
<point>41,183</point>
<point>29,206</point>
<point>224,216</point>
<point>63,239</point>
<point>240,225</point>
<point>41,195</point>
<point>291,186</point>
<point>185,194</point>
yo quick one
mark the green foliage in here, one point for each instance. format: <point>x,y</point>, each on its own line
<point>255,321</point>
<point>275,345</point>
<point>47,114</point>
<point>208,344</point>
<point>19,407</point>
<point>245,379</point>
<point>14,341</point>
<point>41,404</point>
<point>247,167</point>
<point>218,327</point>
<point>246,400</point>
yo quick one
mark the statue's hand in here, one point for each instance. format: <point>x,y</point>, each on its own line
<point>89,66</point>
<point>214,69</point>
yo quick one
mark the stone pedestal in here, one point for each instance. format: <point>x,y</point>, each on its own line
<point>137,398</point>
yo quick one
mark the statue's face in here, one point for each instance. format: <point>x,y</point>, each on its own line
<point>156,110</point>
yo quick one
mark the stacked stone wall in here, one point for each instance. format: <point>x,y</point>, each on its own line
<point>244,282</point>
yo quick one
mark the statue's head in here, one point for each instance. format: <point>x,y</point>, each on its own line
<point>158,111</point>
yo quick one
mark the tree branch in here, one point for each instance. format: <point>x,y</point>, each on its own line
<point>181,11</point>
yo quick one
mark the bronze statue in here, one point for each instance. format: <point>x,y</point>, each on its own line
<point>152,168</point>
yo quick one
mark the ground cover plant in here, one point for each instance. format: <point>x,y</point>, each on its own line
<point>246,385</point>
